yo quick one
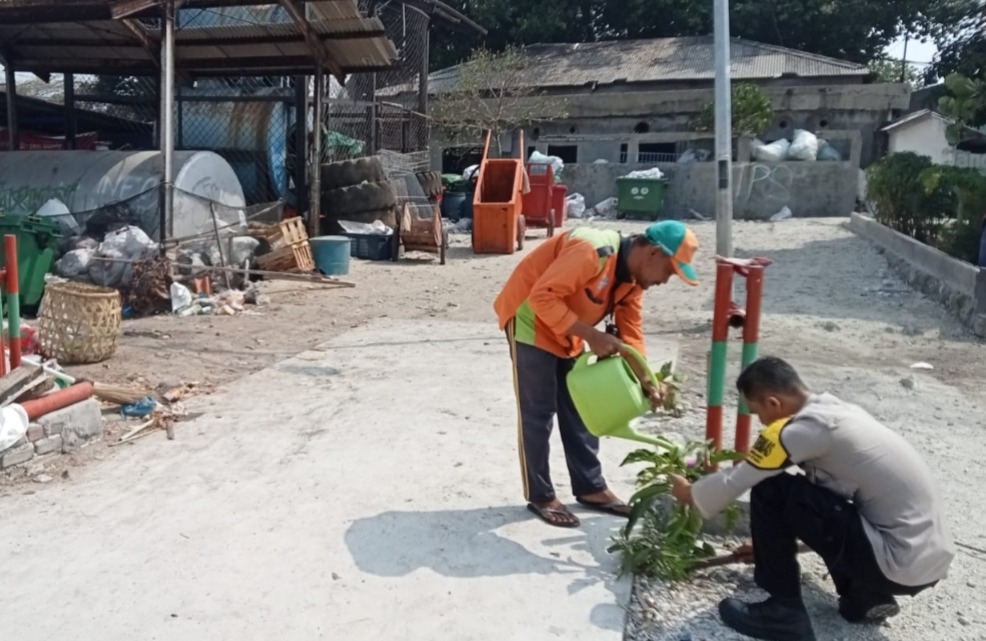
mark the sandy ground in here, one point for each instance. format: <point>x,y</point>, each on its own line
<point>828,293</point>
<point>831,306</point>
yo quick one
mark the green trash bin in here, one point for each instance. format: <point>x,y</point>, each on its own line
<point>37,243</point>
<point>640,198</point>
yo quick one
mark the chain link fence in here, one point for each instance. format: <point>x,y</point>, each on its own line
<point>252,122</point>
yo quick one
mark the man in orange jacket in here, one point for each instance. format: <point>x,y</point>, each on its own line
<point>549,309</point>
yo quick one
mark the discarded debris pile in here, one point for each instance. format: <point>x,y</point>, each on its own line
<point>181,279</point>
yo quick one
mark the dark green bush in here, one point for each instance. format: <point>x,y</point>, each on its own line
<point>895,186</point>
<point>963,193</point>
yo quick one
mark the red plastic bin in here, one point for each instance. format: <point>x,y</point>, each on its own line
<point>558,195</point>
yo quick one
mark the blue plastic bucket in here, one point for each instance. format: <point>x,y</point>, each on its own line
<point>331,254</point>
<point>452,204</point>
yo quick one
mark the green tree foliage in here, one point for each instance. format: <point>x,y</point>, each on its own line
<point>752,112</point>
<point>855,30</point>
<point>889,70</point>
<point>958,29</point>
<point>965,104</point>
<point>494,94</point>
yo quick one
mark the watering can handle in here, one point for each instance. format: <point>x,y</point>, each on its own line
<point>642,361</point>
<point>584,359</point>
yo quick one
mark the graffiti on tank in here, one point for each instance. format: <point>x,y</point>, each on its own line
<point>19,200</point>
<point>767,184</point>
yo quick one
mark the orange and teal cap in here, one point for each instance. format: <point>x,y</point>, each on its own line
<point>678,242</point>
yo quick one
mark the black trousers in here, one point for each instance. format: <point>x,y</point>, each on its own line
<point>786,508</point>
<point>539,383</point>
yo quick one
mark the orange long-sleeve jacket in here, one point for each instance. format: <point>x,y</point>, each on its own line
<point>576,275</point>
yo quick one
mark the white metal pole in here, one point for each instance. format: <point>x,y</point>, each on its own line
<point>168,118</point>
<point>724,133</point>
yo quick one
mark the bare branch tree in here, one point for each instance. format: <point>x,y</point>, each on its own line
<point>495,92</point>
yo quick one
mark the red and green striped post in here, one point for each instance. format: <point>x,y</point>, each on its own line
<point>13,300</point>
<point>751,338</point>
<point>717,360</point>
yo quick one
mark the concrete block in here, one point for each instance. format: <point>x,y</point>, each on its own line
<point>35,433</point>
<point>17,455</point>
<point>76,424</point>
<point>49,445</point>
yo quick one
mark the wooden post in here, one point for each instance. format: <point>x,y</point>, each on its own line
<point>71,125</point>
<point>315,193</point>
<point>13,135</point>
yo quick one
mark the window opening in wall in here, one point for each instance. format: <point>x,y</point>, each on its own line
<point>536,133</point>
<point>783,124</point>
<point>572,129</point>
<point>569,154</point>
<point>530,151</point>
<point>657,152</point>
<point>824,123</point>
<point>641,128</point>
<point>624,152</point>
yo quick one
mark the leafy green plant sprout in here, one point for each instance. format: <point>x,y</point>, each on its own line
<point>660,540</point>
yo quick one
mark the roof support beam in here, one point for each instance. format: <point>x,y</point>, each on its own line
<point>130,8</point>
<point>151,45</point>
<point>317,47</point>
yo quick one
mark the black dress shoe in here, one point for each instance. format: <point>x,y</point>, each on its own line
<point>869,609</point>
<point>770,620</point>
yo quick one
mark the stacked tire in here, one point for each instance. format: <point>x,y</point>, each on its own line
<point>431,183</point>
<point>357,190</point>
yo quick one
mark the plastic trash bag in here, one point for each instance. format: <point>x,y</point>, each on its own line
<point>13,425</point>
<point>181,297</point>
<point>783,214</point>
<point>649,174</point>
<point>556,163</point>
<point>74,264</point>
<point>377,227</point>
<point>804,147</point>
<point>694,155</point>
<point>607,208</point>
<point>131,242</point>
<point>576,206</point>
<point>827,152</point>
<point>774,152</point>
<point>113,272</point>
<point>140,409</point>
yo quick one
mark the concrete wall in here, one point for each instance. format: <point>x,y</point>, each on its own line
<point>760,189</point>
<point>862,108</point>
<point>958,285</point>
<point>926,138</point>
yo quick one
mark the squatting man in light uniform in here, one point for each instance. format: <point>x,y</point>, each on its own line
<point>867,504</point>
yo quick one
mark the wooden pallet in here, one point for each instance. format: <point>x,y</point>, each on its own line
<point>296,258</point>
<point>283,234</point>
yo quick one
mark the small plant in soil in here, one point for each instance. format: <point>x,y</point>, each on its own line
<point>672,383</point>
<point>663,539</point>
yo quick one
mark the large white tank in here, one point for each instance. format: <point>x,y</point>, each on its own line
<point>91,180</point>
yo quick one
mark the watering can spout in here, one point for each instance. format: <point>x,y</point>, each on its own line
<point>607,395</point>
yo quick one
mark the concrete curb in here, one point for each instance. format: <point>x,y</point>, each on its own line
<point>958,285</point>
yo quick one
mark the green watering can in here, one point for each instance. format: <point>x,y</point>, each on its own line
<point>607,395</point>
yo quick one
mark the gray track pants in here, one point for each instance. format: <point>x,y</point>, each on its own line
<point>539,383</point>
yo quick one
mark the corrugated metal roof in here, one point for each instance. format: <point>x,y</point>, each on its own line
<point>660,60</point>
<point>210,41</point>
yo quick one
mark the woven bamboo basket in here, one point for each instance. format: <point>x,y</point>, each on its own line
<point>79,323</point>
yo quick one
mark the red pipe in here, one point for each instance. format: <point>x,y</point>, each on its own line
<point>57,400</point>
